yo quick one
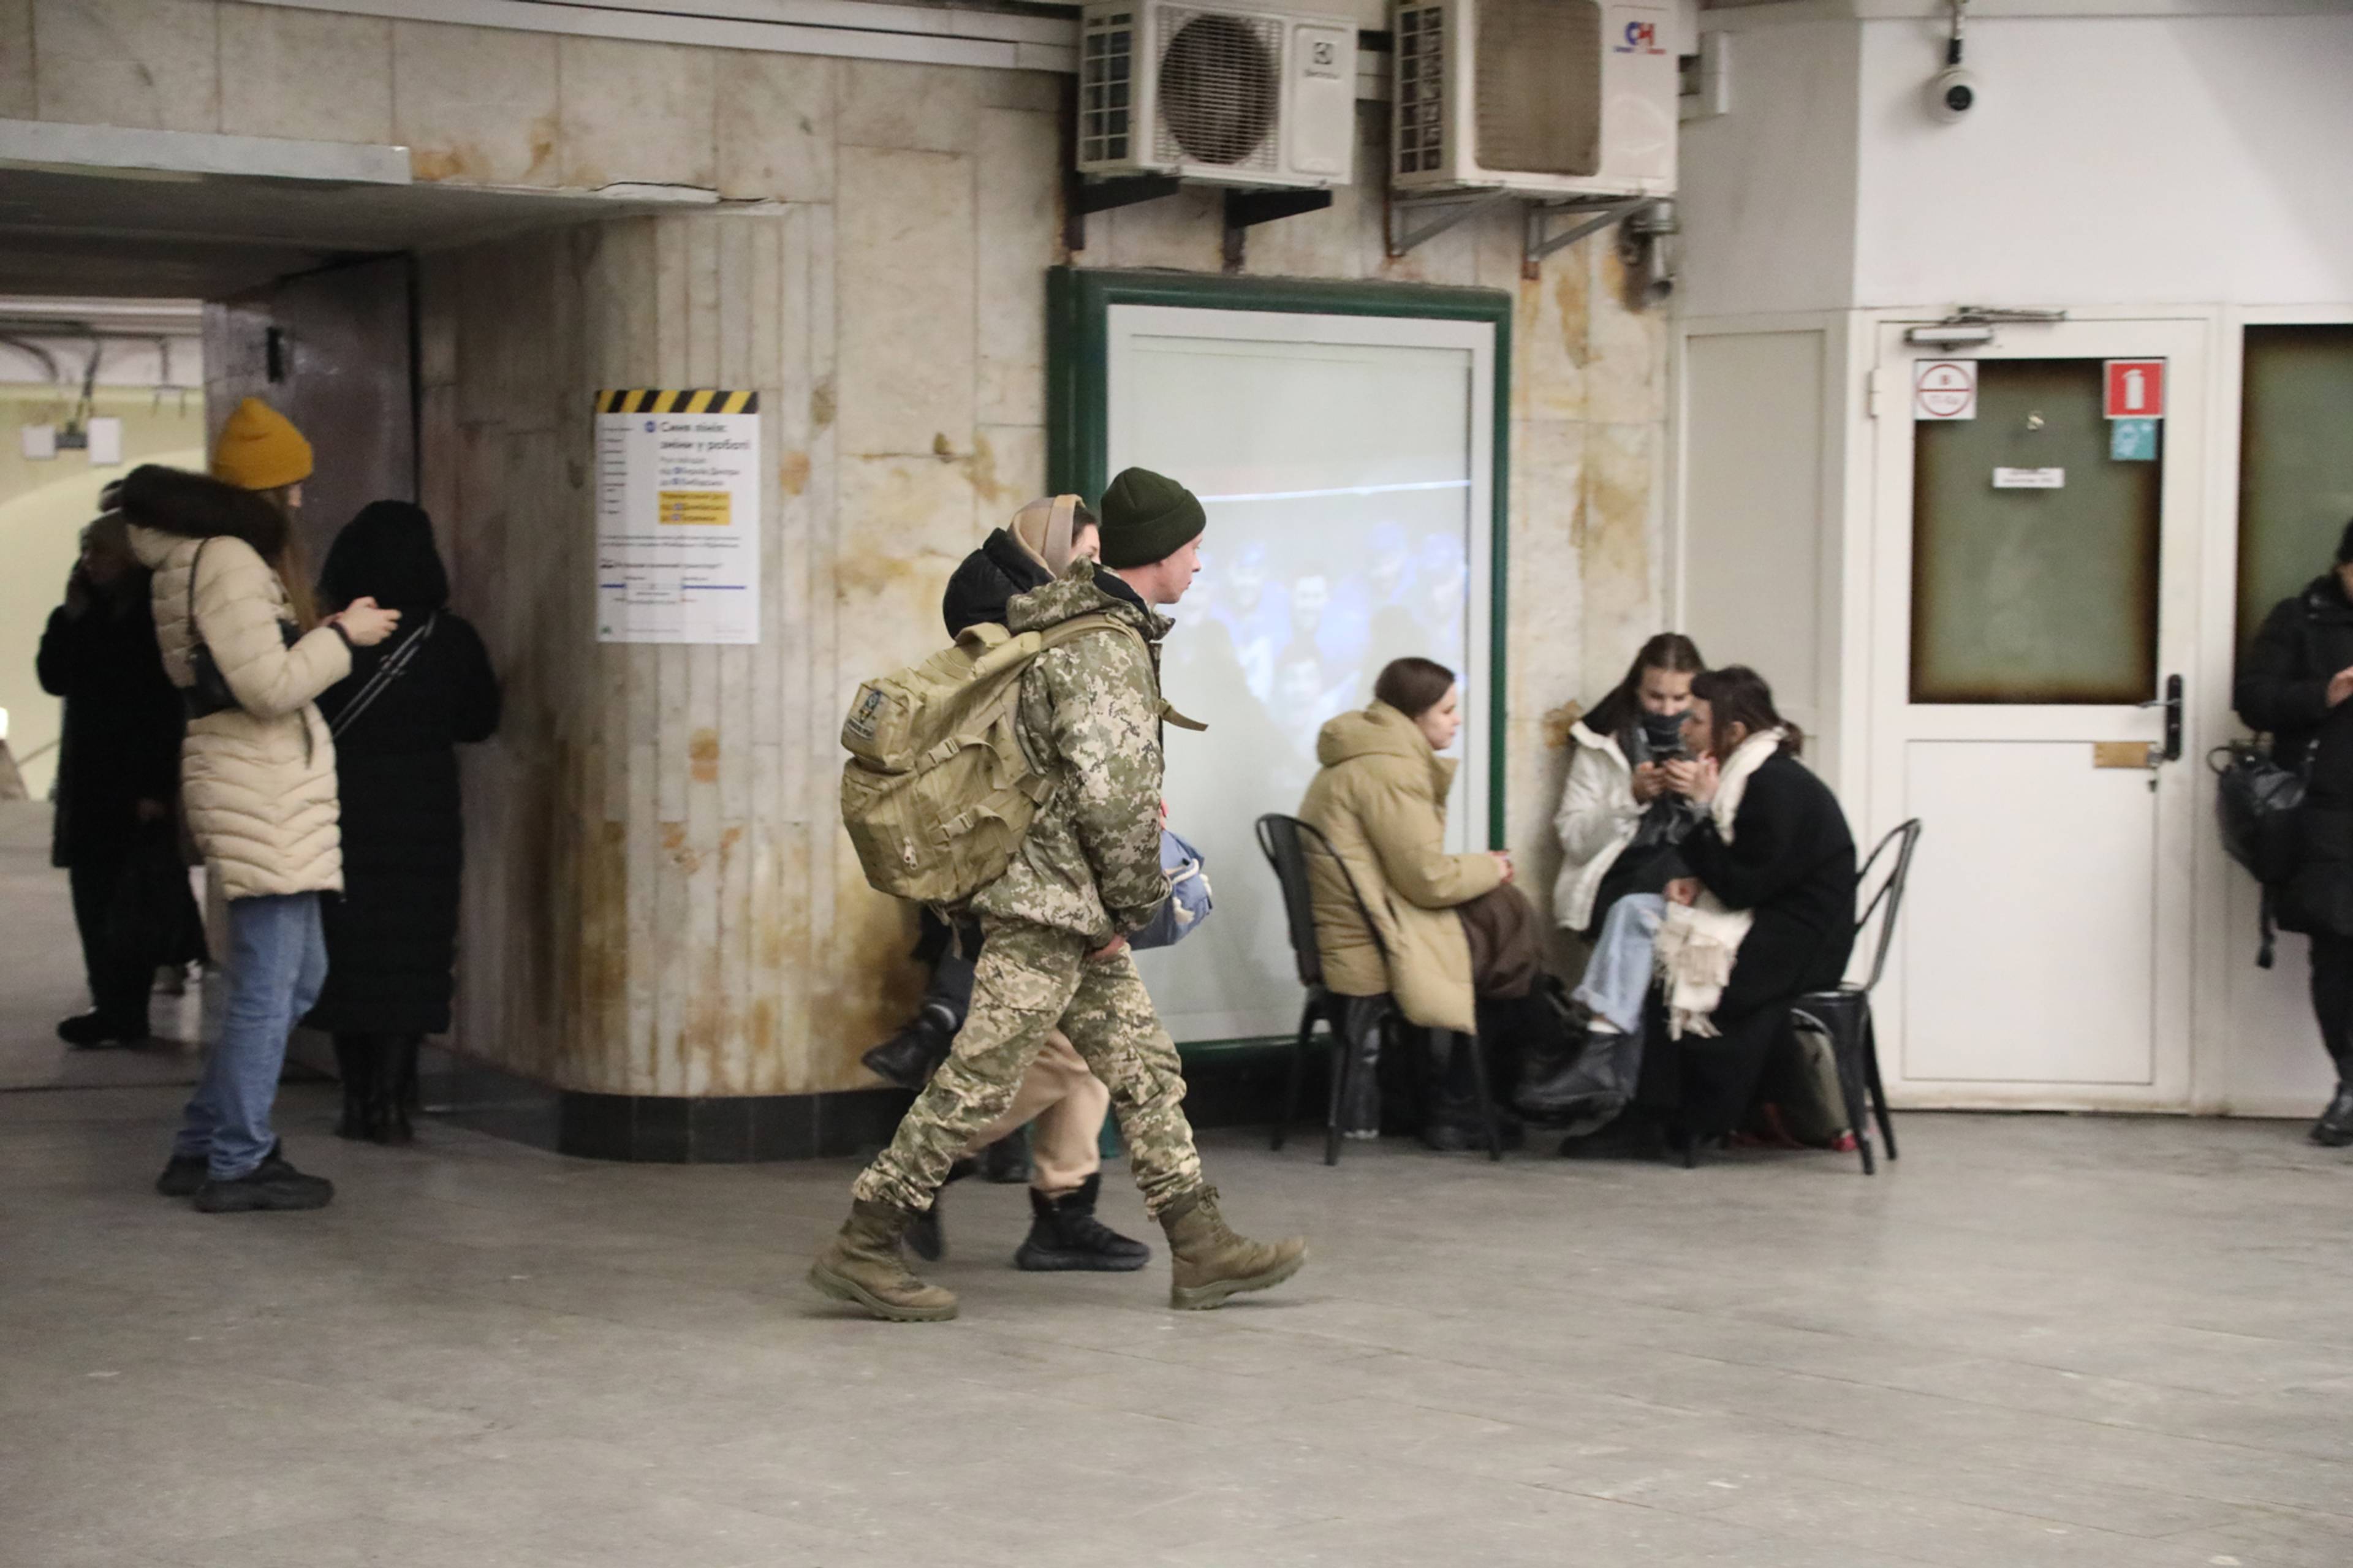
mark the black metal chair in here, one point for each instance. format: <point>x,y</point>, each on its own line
<point>1843,1016</point>
<point>1284,842</point>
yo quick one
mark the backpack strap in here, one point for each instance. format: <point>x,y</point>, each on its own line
<point>1082,625</point>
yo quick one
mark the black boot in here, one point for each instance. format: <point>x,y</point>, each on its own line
<point>88,1031</point>
<point>908,1058</point>
<point>1005,1162</point>
<point>1453,1120</point>
<point>1598,1080</point>
<point>354,1067</point>
<point>393,1062</point>
<point>925,1237</point>
<point>1065,1235</point>
<point>2335,1128</point>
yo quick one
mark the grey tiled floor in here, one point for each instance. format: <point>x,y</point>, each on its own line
<point>2035,1340</point>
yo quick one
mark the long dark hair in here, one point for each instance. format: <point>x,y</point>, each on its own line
<point>1738,695</point>
<point>1670,651</point>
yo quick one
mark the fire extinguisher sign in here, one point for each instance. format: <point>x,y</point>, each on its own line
<point>2136,389</point>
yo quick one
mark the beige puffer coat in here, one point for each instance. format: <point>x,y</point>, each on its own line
<point>257,780</point>
<point>1381,800</point>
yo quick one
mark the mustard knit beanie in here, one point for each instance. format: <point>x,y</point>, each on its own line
<point>260,450</point>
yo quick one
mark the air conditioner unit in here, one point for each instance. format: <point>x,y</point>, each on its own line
<point>1233,96</point>
<point>1541,97</point>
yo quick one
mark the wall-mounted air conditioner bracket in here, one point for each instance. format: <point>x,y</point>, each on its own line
<point>1576,219</point>
<point>1081,195</point>
<point>1247,208</point>
<point>1413,221</point>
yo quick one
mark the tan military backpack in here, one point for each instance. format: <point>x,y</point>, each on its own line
<point>939,789</point>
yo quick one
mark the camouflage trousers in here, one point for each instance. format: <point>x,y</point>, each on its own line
<point>1031,978</point>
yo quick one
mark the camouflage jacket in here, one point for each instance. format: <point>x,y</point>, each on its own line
<point>1089,715</point>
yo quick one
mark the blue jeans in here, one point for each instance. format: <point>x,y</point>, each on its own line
<point>277,963</point>
<point>1617,975</point>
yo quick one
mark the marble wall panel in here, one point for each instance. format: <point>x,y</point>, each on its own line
<point>775,127</point>
<point>907,329</point>
<point>911,107</point>
<point>1619,547</point>
<point>476,105</point>
<point>18,100</point>
<point>1019,205</point>
<point>150,64</point>
<point>638,113</point>
<point>1626,358</point>
<point>310,75</point>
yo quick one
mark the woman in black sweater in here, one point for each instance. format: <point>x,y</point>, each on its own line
<point>1789,863</point>
<point>398,718</point>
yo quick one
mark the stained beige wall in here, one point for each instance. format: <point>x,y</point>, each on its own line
<point>659,899</point>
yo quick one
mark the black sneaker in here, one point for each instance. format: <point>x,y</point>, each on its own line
<point>91,1030</point>
<point>272,1184</point>
<point>1065,1235</point>
<point>183,1174</point>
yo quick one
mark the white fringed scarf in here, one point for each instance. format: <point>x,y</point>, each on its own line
<point>1699,942</point>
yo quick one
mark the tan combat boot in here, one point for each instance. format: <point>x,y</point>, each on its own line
<point>862,1266</point>
<point>1212,1262</point>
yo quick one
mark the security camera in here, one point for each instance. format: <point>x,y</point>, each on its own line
<point>1953,93</point>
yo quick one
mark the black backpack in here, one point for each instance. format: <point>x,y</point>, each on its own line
<point>2256,802</point>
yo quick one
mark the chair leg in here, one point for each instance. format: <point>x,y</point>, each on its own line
<point>1847,1047</point>
<point>1343,1057</point>
<point>1878,1089</point>
<point>1486,1101</point>
<point>1298,1074</point>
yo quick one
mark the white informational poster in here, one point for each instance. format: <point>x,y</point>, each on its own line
<point>677,517</point>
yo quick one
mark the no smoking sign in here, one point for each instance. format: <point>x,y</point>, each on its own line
<point>1944,389</point>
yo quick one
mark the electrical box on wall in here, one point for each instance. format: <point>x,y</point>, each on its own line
<point>1539,98</point>
<point>1228,96</point>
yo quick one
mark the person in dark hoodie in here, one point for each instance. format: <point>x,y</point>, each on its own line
<point>1060,1099</point>
<point>2294,684</point>
<point>239,638</point>
<point>117,791</point>
<point>397,719</point>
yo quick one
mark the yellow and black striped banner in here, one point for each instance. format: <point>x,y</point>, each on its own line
<point>704,400</point>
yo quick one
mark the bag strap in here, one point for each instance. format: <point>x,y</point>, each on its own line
<point>193,631</point>
<point>394,666</point>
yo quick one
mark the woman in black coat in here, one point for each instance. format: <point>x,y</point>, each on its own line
<point>398,718</point>
<point>2293,685</point>
<point>116,833</point>
<point>1790,864</point>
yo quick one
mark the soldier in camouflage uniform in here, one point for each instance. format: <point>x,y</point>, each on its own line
<point>1056,950</point>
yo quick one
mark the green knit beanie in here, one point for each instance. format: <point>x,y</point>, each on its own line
<point>1148,518</point>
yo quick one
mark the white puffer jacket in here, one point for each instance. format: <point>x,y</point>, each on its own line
<point>1598,816</point>
<point>258,781</point>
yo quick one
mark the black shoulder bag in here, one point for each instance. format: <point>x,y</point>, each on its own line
<point>2255,802</point>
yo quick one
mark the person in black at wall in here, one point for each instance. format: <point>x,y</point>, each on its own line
<point>398,718</point>
<point>1790,863</point>
<point>117,831</point>
<point>2294,683</point>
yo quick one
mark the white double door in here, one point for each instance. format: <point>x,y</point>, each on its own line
<point>2037,595</point>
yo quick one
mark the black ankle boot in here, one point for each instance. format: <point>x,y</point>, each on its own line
<point>2335,1128</point>
<point>1065,1235</point>
<point>355,1067</point>
<point>390,1124</point>
<point>1005,1162</point>
<point>908,1058</point>
<point>1598,1074</point>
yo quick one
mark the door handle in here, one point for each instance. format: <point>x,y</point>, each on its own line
<point>2171,703</point>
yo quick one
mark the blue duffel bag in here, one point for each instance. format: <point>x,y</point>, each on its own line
<point>1188,895</point>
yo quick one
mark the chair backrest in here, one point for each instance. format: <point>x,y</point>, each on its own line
<point>1887,898</point>
<point>1286,842</point>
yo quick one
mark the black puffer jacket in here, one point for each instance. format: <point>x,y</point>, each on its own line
<point>123,722</point>
<point>990,576</point>
<point>2283,685</point>
<point>391,939</point>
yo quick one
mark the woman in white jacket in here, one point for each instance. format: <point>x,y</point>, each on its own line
<point>258,776</point>
<point>1622,814</point>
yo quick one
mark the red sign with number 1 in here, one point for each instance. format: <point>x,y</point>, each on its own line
<point>2136,389</point>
